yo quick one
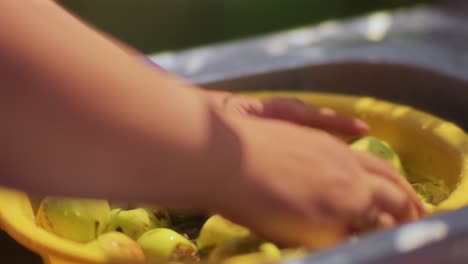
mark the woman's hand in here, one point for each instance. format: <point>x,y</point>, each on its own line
<point>305,187</point>
<point>309,181</point>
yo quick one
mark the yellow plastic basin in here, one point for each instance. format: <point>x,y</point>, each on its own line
<point>429,146</point>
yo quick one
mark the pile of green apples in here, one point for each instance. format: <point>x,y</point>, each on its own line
<point>148,233</point>
<point>156,233</point>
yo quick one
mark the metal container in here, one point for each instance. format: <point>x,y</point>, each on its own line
<point>417,57</point>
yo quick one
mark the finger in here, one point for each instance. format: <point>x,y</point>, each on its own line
<point>328,119</point>
<point>386,220</point>
<point>241,105</point>
<point>374,221</point>
<point>347,138</point>
<point>366,220</point>
<point>392,200</point>
<point>377,166</point>
<point>294,110</point>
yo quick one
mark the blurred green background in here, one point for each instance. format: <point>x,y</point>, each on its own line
<point>156,25</point>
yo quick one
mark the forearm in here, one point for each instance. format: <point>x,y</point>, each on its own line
<point>90,120</point>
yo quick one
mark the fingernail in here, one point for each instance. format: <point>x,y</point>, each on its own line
<point>361,124</point>
<point>386,220</point>
<point>327,111</point>
<point>424,210</point>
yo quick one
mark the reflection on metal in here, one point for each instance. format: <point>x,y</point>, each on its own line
<point>417,235</point>
<point>166,60</point>
<point>378,26</point>
<point>276,47</point>
<point>302,38</point>
<point>194,64</point>
<point>422,36</point>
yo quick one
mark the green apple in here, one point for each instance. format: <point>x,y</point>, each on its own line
<point>80,220</point>
<point>166,244</point>
<point>270,250</point>
<point>137,221</point>
<point>217,230</point>
<point>234,246</point>
<point>117,245</point>
<point>161,215</point>
<point>119,205</point>
<point>380,148</point>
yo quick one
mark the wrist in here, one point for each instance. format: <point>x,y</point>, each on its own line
<point>223,163</point>
<point>232,159</point>
<point>206,163</point>
<point>217,99</point>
